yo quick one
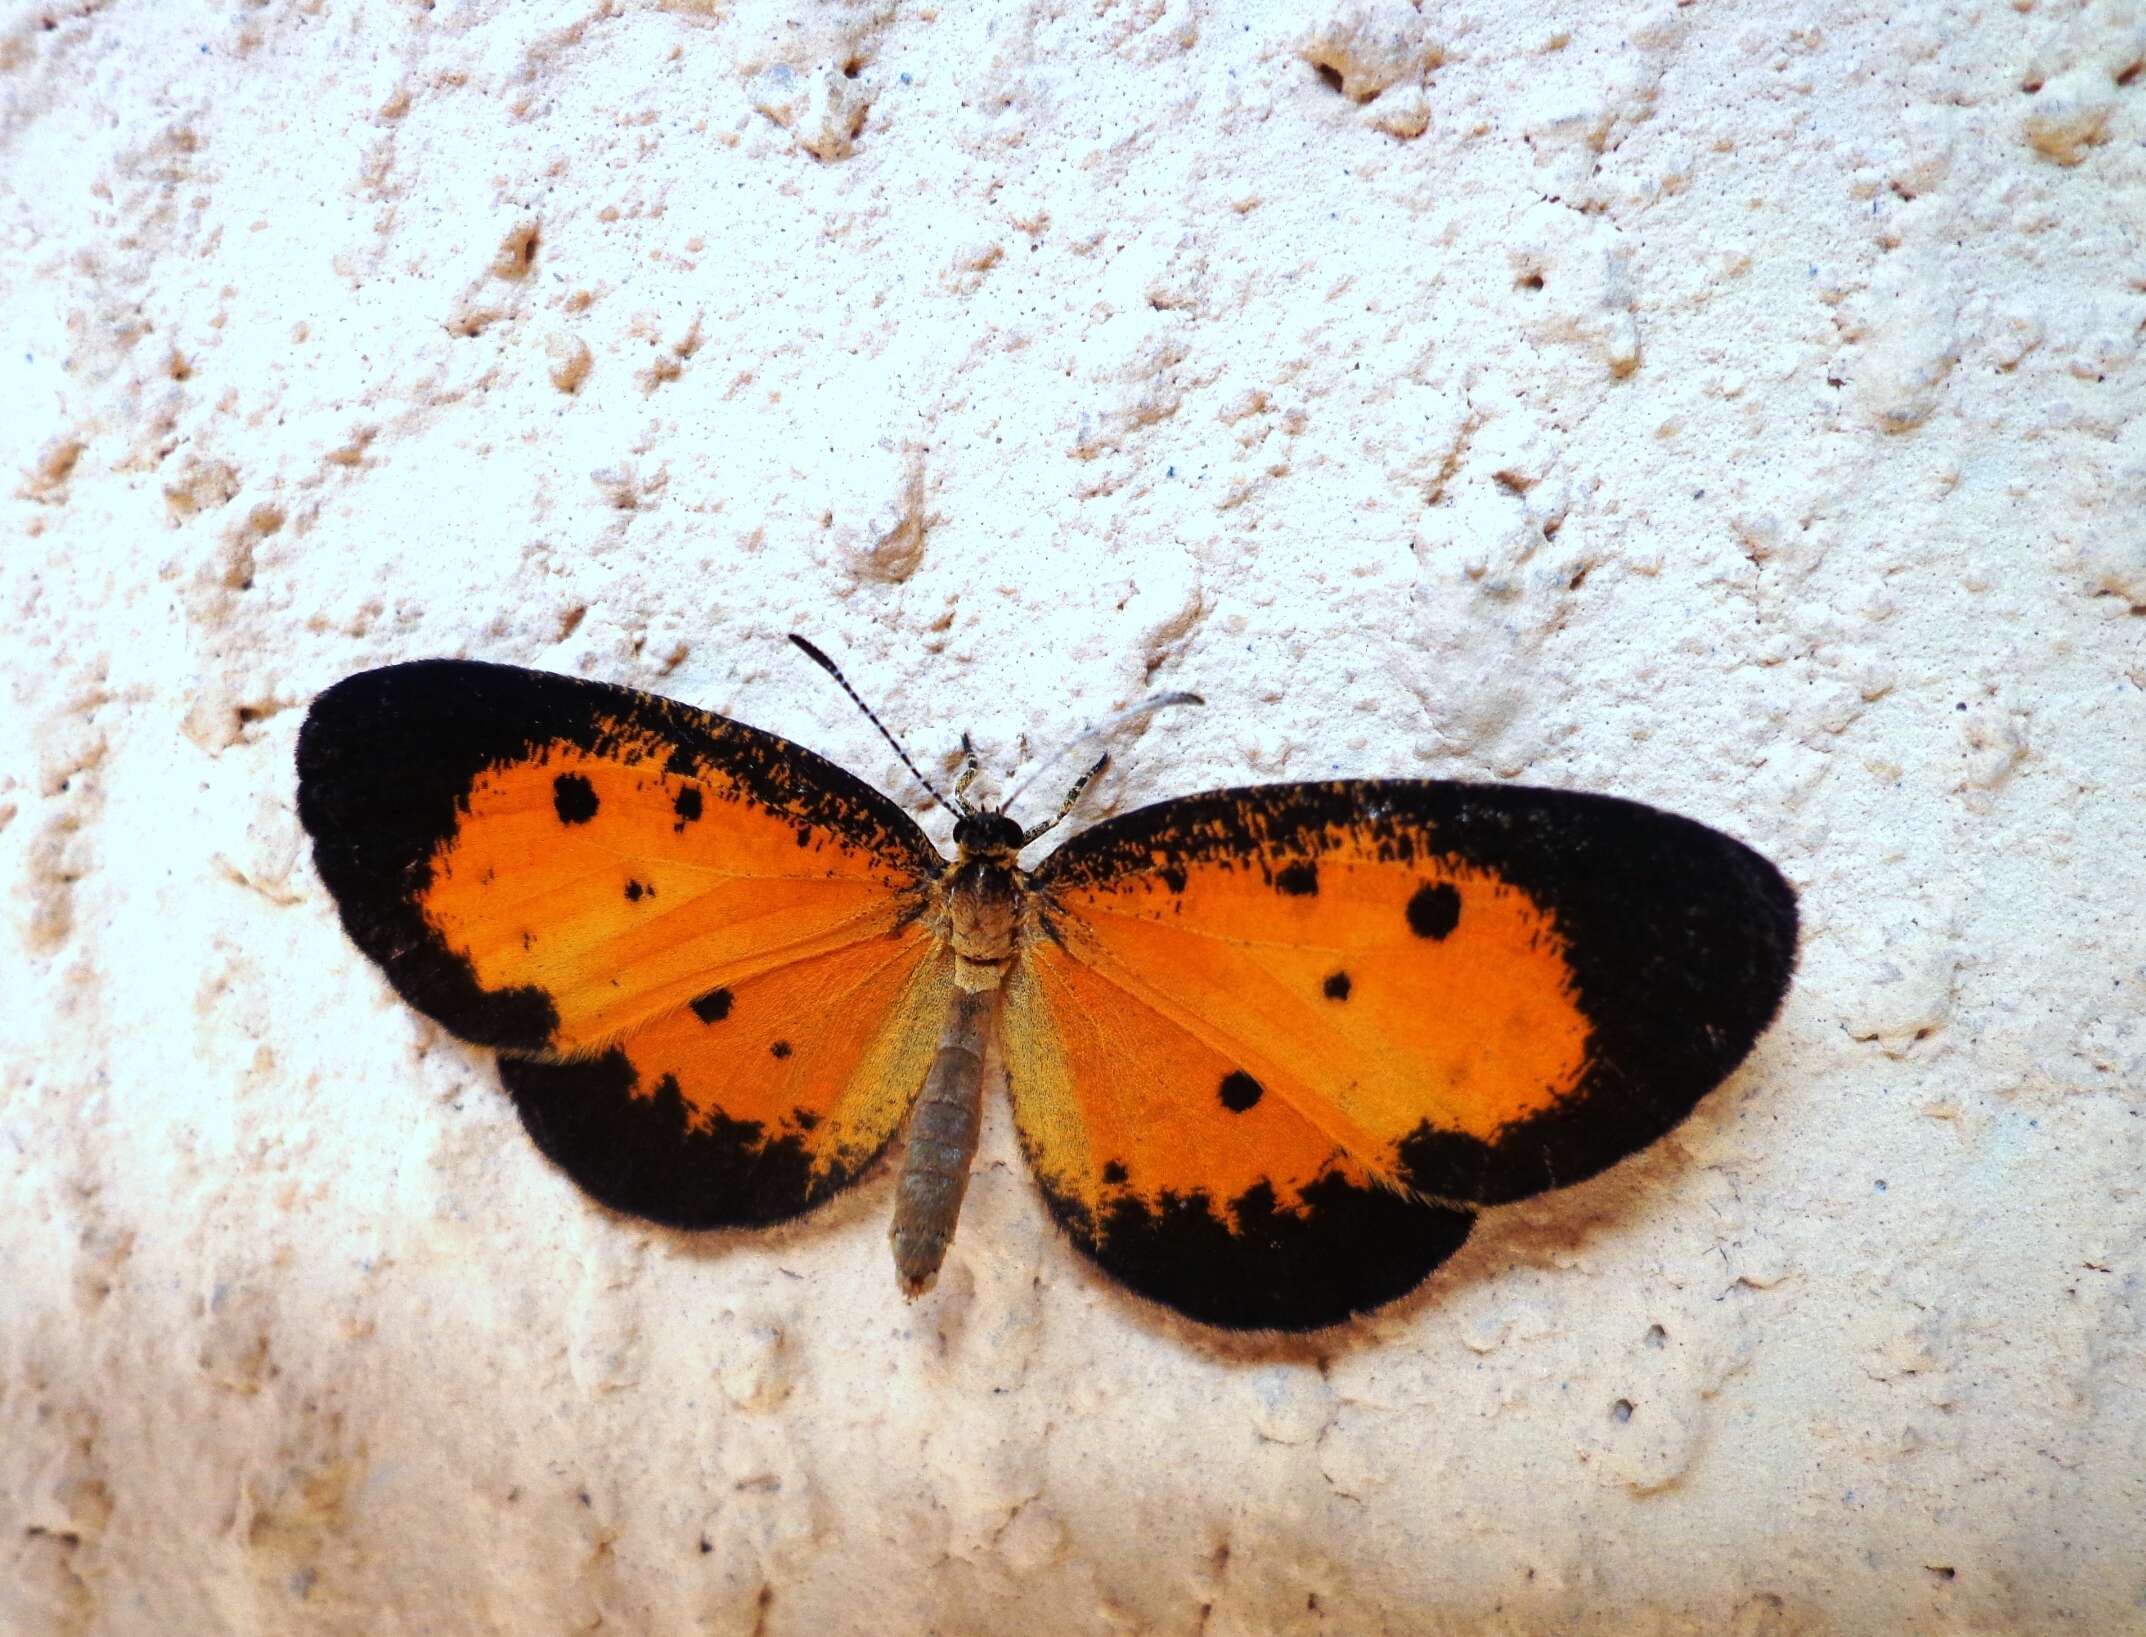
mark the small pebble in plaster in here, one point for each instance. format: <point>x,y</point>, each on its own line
<point>753,1365</point>
<point>1573,270</point>
<point>570,360</point>
<point>2112,562</point>
<point>201,485</point>
<point>966,274</point>
<point>2069,115</point>
<point>1405,113</point>
<point>47,476</point>
<point>56,860</point>
<point>1908,358</point>
<point>472,318</point>
<point>1996,744</point>
<point>1897,978</point>
<point>517,250</point>
<point>824,107</point>
<point>625,488</point>
<point>888,546</point>
<point>1650,1452</point>
<point>1289,1404</point>
<point>1357,1453</point>
<point>495,839</point>
<point>1033,1541</point>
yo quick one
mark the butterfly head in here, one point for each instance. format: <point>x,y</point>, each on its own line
<point>979,830</point>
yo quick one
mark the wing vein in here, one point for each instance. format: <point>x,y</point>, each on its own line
<point>1087,912</point>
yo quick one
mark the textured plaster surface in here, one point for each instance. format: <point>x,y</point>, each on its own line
<point>1736,406</point>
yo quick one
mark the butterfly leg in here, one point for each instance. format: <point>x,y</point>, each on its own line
<point>1066,806</point>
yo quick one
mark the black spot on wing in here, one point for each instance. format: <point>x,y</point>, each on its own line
<point>642,1154</point>
<point>1347,1251</point>
<point>687,806</point>
<point>712,1007</point>
<point>635,892</point>
<point>1337,986</point>
<point>1240,1092</point>
<point>1434,911</point>
<point>573,798</point>
<point>779,1050</point>
<point>1113,1173</point>
<point>1298,880</point>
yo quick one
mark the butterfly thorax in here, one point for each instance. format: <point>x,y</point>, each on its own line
<point>984,893</point>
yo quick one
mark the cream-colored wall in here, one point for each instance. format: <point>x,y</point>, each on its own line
<point>1731,405</point>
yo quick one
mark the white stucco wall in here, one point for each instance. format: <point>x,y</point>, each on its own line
<point>1735,406</point>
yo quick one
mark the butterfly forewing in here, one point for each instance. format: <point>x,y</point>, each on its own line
<point>542,863</point>
<point>1494,990</point>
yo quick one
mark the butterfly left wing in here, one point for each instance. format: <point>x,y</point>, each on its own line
<point>641,901</point>
<point>1259,1027</point>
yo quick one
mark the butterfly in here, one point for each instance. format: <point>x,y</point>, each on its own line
<point>1268,1049</point>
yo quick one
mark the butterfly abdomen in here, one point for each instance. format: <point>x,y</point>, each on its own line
<point>942,1142</point>
<point>982,909</point>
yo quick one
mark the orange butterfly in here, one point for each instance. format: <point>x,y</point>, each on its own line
<point>1267,1048</point>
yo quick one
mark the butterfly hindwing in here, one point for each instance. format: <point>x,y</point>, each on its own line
<point>758,1100</point>
<point>1236,1202</point>
<point>1476,992</point>
<point>543,864</point>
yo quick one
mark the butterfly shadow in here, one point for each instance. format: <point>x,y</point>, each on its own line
<point>849,1209</point>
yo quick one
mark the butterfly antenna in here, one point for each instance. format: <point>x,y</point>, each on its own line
<point>835,671</point>
<point>1089,736</point>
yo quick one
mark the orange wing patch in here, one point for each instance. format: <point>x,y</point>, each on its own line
<point>616,885</point>
<point>1432,992</point>
<point>766,1094</point>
